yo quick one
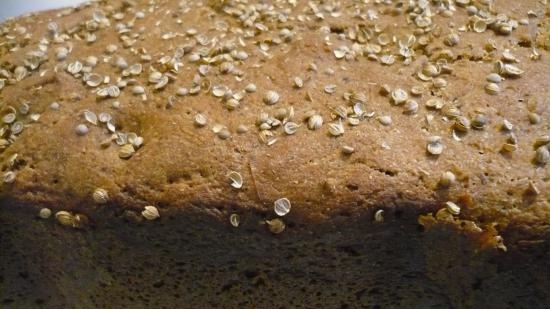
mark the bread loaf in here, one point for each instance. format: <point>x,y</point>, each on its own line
<point>276,154</point>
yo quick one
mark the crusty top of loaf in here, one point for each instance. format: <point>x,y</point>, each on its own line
<point>335,59</point>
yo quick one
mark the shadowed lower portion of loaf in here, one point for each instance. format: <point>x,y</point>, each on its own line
<point>190,260</point>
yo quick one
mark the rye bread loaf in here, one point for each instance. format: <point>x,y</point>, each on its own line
<point>430,112</point>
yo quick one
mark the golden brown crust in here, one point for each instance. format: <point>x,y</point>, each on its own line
<point>181,164</point>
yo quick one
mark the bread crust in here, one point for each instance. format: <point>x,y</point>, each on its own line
<point>181,165</point>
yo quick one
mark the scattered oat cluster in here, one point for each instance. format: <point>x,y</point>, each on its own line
<point>221,62</point>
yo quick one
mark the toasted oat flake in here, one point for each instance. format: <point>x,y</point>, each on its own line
<point>508,147</point>
<point>410,107</point>
<point>9,118</point>
<point>162,82</point>
<point>353,121</point>
<point>219,91</point>
<point>24,108</point>
<point>461,124</point>
<point>91,61</point>
<point>452,39</point>
<point>110,91</point>
<point>45,213</point>
<point>135,69</point>
<point>479,122</point>
<point>271,97</point>
<point>330,88</point>
<point>182,91</point>
<point>435,103</point>
<point>94,80</point>
<point>90,116</point>
<point>267,137</point>
<point>111,126</point>
<point>453,208</point>
<point>126,151</point>
<point>100,196</point>
<point>224,134</point>
<point>104,117</point>
<point>200,120</point>
<point>417,90</point>
<point>291,127</point>
<point>336,128</point>
<point>532,188</point>
<point>217,128</point>
<point>315,122</point>
<point>17,127</point>
<point>150,213</point>
<point>138,90</point>
<point>235,220</point>
<point>275,226</point>
<point>387,59</point>
<point>447,179</point>
<point>492,88</point>
<point>232,104</point>
<point>507,125</point>
<point>55,106</point>
<point>250,88</point>
<point>65,218</point>
<point>434,145</point>
<point>541,141</point>
<point>298,82</point>
<point>499,243</point>
<point>236,179</point>
<point>35,117</point>
<point>339,53</point>
<point>379,216</point>
<point>479,26</point>
<point>9,177</point>
<point>241,129</point>
<point>359,109</point>
<point>439,83</point>
<point>510,70</point>
<point>81,129</point>
<point>347,150</point>
<point>399,96</point>
<point>75,67</point>
<point>341,111</point>
<point>116,104</point>
<point>494,78</point>
<point>385,120</point>
<point>282,206</point>
<point>534,118</point>
<point>542,155</point>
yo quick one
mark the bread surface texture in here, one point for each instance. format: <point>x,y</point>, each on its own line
<point>339,107</point>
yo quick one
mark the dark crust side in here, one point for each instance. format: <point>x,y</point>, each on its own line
<point>189,260</point>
